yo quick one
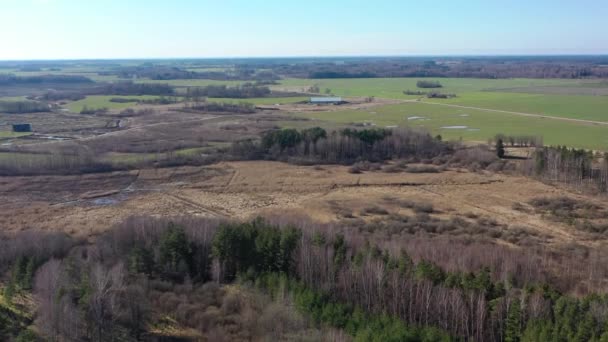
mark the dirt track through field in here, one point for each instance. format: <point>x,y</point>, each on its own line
<point>532,115</point>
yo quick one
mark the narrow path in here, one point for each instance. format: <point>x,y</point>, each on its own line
<point>196,205</point>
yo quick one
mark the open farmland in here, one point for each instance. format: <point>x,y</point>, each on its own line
<point>394,87</point>
<point>103,101</point>
<point>473,124</point>
<point>263,100</point>
<point>562,98</point>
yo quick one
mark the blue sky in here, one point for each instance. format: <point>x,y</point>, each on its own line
<point>69,29</point>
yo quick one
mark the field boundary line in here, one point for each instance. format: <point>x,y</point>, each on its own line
<point>532,115</point>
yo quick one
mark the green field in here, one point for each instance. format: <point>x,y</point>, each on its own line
<point>567,106</point>
<point>480,124</point>
<point>11,134</point>
<point>262,100</point>
<point>13,98</point>
<point>482,93</point>
<point>393,87</point>
<point>560,98</point>
<point>101,101</point>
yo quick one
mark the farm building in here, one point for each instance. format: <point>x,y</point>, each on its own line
<point>326,100</point>
<point>22,127</point>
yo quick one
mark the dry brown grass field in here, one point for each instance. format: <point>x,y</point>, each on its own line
<point>86,205</point>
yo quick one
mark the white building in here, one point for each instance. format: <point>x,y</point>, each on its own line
<point>326,100</point>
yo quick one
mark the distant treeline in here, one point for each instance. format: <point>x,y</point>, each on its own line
<point>247,90</point>
<point>438,95</point>
<point>10,79</point>
<point>428,84</point>
<point>56,95</point>
<point>131,88</point>
<point>519,140</point>
<point>127,88</point>
<point>156,72</point>
<point>221,107</point>
<point>498,67</point>
<point>338,74</point>
<point>429,94</point>
<point>20,107</point>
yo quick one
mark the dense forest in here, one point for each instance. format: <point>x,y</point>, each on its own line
<point>317,146</point>
<point>12,80</point>
<point>130,88</point>
<point>247,90</point>
<point>159,72</point>
<point>498,67</point>
<point>146,269</point>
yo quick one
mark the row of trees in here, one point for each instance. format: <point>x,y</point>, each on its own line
<point>163,72</point>
<point>519,140</point>
<point>11,79</point>
<point>247,90</point>
<point>428,84</point>
<point>221,107</point>
<point>574,167</point>
<point>131,88</point>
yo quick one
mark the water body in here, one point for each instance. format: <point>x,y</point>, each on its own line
<point>455,127</point>
<point>417,118</point>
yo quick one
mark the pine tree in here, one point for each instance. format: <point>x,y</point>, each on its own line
<point>513,326</point>
<point>28,277</point>
<point>500,148</point>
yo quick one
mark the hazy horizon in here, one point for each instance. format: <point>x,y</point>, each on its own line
<point>304,57</point>
<point>187,29</point>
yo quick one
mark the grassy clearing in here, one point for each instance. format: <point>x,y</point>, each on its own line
<point>12,98</point>
<point>28,158</point>
<point>101,101</point>
<point>479,125</point>
<point>262,100</point>
<point>136,158</point>
<point>11,134</point>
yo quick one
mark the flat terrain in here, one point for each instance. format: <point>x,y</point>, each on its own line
<point>564,112</point>
<point>86,205</point>
<point>103,101</point>
<point>455,122</point>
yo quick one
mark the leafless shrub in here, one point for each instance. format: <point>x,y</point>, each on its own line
<point>38,245</point>
<point>354,169</point>
<point>518,206</point>
<point>475,158</point>
<point>375,210</point>
<point>422,169</point>
<point>391,169</point>
<point>418,207</point>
